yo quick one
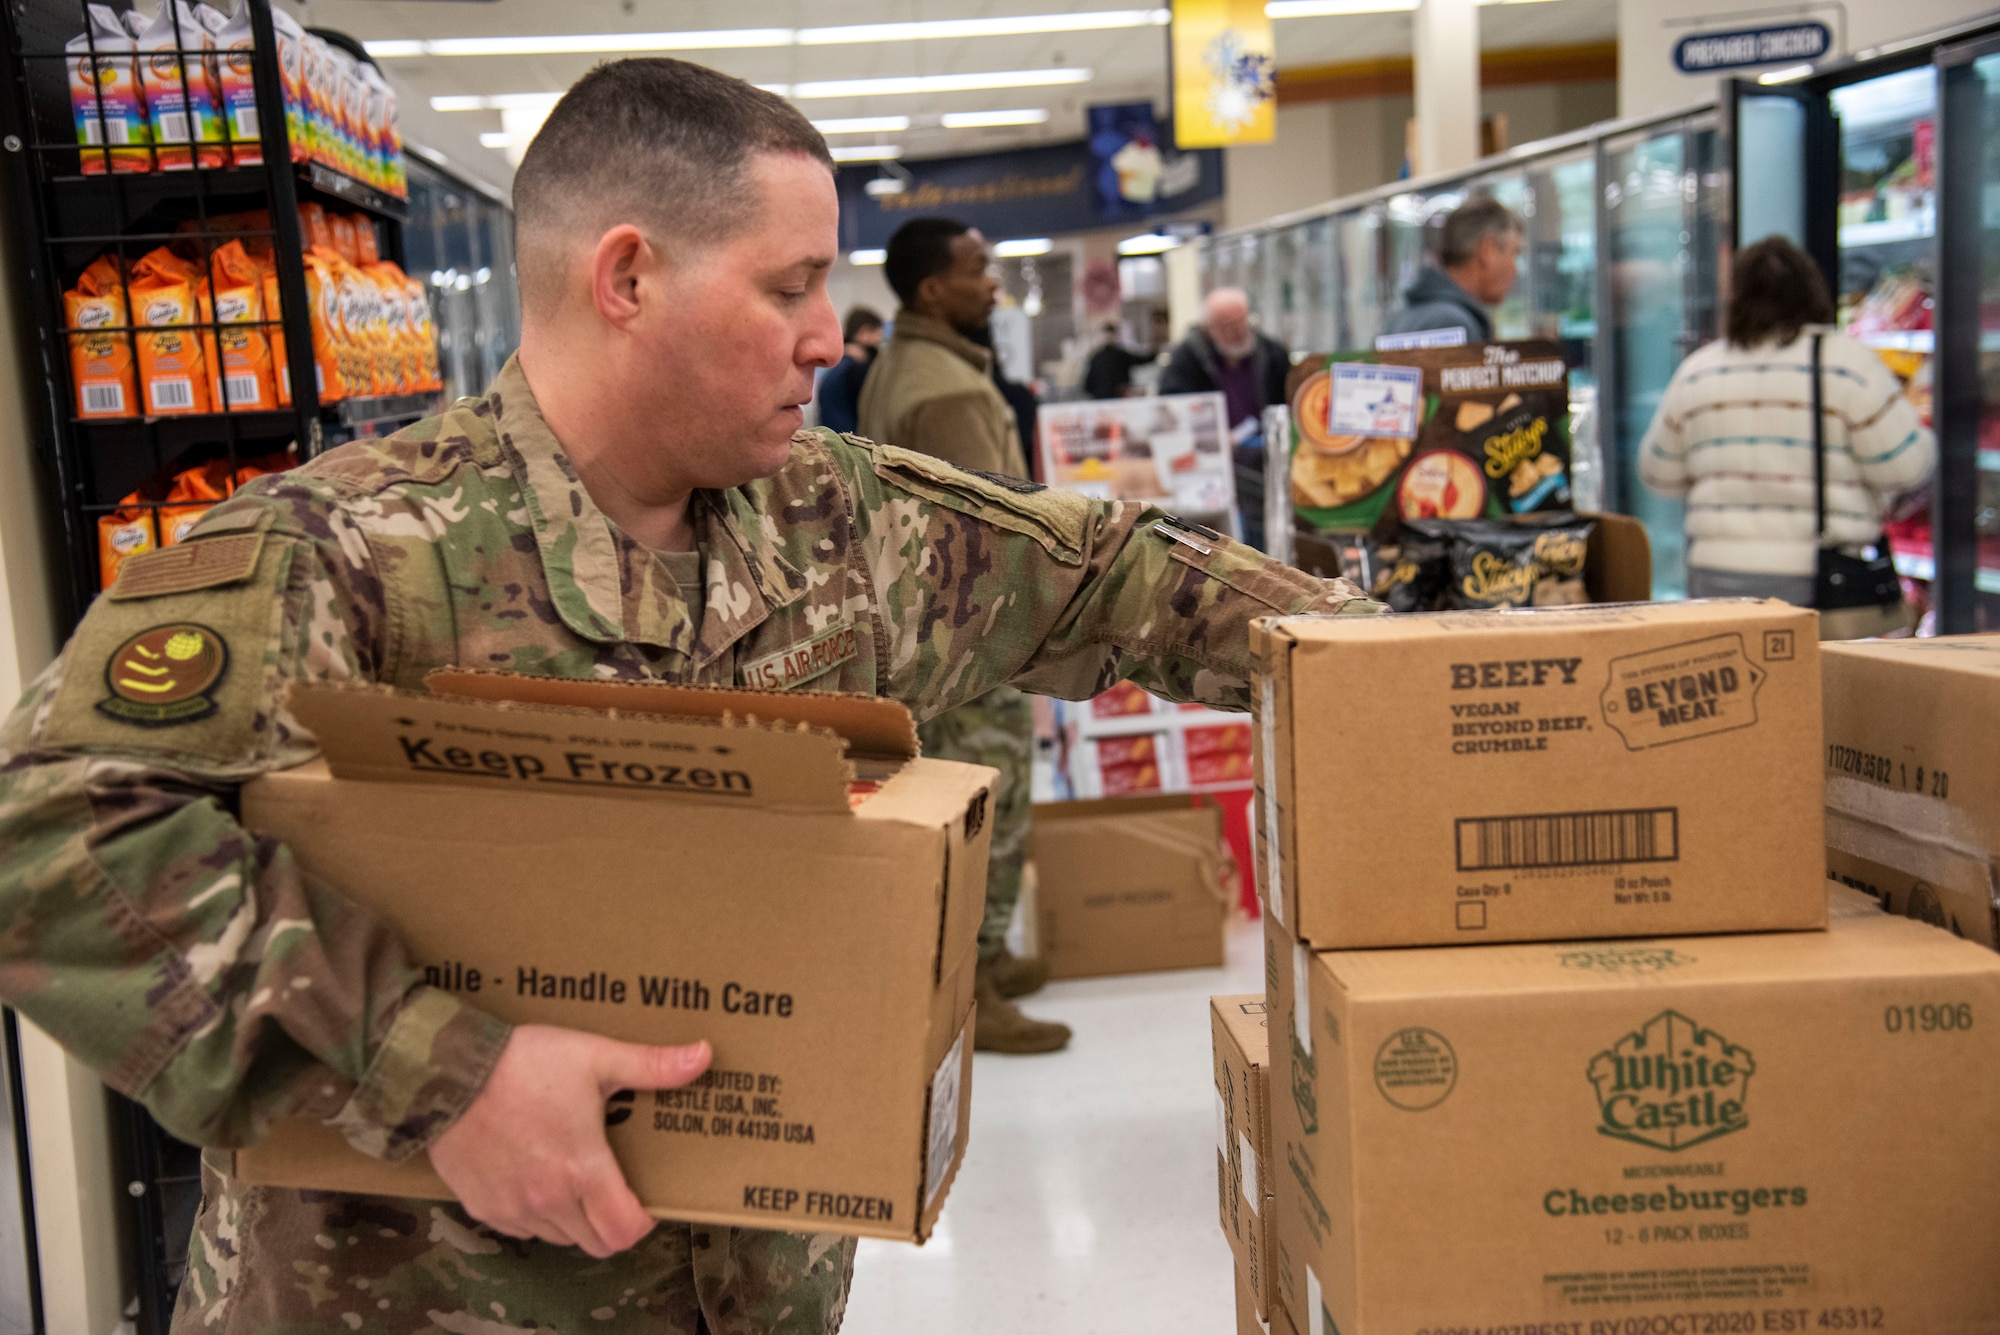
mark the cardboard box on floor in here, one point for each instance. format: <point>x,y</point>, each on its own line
<point>1773,1132</point>
<point>1129,885</point>
<point>1542,774</point>
<point>1912,790</point>
<point>1242,1167</point>
<point>778,874</point>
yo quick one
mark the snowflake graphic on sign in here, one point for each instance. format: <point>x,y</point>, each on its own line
<point>1243,81</point>
<point>1672,1084</point>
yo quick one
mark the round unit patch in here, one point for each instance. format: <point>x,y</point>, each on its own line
<point>165,676</point>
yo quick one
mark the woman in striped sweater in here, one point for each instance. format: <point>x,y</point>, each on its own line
<point>1733,435</point>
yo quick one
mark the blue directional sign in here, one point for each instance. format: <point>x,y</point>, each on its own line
<point>1706,52</point>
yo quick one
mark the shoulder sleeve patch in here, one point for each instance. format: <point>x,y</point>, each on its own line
<point>1055,518</point>
<point>206,563</point>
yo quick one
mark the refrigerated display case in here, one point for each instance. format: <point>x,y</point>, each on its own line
<point>1645,196</point>
<point>1850,162</point>
<point>460,241</point>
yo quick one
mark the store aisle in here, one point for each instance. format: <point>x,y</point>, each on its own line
<point>1086,1203</point>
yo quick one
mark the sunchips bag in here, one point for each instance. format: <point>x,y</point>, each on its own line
<point>245,378</point>
<point>100,353</point>
<point>183,104</point>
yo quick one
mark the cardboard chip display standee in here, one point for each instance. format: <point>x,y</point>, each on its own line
<point>779,874</point>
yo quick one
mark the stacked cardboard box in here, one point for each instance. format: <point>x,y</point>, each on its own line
<point>1912,793</point>
<point>1128,885</point>
<point>1570,1130</point>
<point>1242,1150</point>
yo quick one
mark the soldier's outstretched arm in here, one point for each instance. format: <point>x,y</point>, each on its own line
<point>184,959</point>
<point>985,580</point>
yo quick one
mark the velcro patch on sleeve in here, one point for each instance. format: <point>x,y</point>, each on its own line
<point>188,566</point>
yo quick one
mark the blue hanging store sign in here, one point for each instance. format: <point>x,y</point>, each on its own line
<point>1043,191</point>
<point>1708,52</point>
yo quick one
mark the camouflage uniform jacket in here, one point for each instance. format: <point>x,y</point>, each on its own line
<point>191,964</point>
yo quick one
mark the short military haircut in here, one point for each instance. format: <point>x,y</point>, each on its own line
<point>920,249</point>
<point>1775,290</point>
<point>662,144</point>
<point>1471,223</point>
<point>859,321</point>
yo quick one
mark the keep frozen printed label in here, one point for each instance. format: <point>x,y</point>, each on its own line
<point>1682,692</point>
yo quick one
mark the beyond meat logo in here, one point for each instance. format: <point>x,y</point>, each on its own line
<point>1682,692</point>
<point>1672,1084</point>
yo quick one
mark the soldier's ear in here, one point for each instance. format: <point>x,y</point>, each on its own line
<point>621,258</point>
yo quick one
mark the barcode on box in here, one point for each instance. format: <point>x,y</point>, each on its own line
<point>1568,839</point>
<point>107,399</point>
<point>173,126</point>
<point>172,395</point>
<point>246,122</point>
<point>240,390</point>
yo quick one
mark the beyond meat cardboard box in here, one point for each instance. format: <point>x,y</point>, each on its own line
<point>1540,774</point>
<point>1129,884</point>
<point>1912,787</point>
<point>1775,1132</point>
<point>778,874</point>
<point>1242,1168</point>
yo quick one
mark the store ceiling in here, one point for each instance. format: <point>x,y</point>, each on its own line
<point>767,46</point>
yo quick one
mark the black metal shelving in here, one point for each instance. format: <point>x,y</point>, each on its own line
<point>67,217</point>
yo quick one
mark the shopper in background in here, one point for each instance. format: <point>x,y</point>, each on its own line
<point>840,389</point>
<point>932,390</point>
<point>1109,372</point>
<point>1734,436</point>
<point>1479,254</point>
<point>1227,352</point>
<point>589,518</point>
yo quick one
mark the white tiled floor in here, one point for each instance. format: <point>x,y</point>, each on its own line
<point>1086,1203</point>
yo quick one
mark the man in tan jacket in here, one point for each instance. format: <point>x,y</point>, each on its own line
<point>931,390</point>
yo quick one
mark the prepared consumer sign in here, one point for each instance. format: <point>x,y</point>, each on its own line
<point>1539,774</point>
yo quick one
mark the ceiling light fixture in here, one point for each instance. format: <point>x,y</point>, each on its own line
<point>867,256</point>
<point>1786,75</point>
<point>972,120</point>
<point>863,125</point>
<point>495,101</point>
<point>495,139</point>
<point>1149,243</point>
<point>866,152</point>
<point>1007,26</point>
<point>1316,9</point>
<point>938,83</point>
<point>1034,245</point>
<point>565,44</point>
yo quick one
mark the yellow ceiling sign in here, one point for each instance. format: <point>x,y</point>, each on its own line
<point>1225,74</point>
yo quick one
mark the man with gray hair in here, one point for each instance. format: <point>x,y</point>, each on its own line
<point>1227,352</point>
<point>1479,252</point>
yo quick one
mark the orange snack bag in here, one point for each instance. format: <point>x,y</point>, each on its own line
<point>270,463</point>
<point>425,333</point>
<point>367,250</point>
<point>344,240</point>
<point>281,357</point>
<point>194,493</point>
<point>171,366</point>
<point>244,368</point>
<point>315,229</point>
<point>123,534</point>
<point>100,359</point>
<point>328,335</point>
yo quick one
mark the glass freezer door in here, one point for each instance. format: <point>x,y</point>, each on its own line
<point>1965,506</point>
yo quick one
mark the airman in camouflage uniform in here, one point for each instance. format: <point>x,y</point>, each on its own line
<point>196,969</point>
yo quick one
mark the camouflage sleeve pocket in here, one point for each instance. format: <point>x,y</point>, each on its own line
<point>1058,520</point>
<point>178,658</point>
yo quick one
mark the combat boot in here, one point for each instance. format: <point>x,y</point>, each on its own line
<point>1001,1027</point>
<point>1016,976</point>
